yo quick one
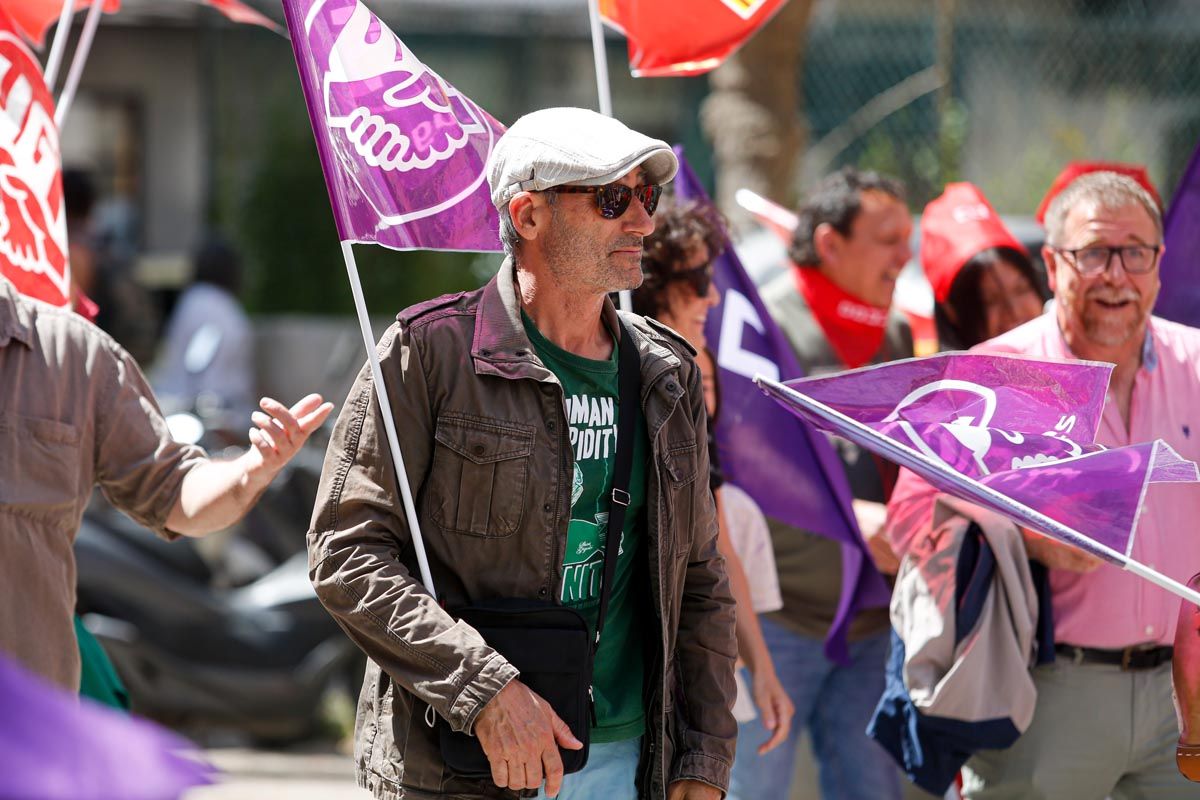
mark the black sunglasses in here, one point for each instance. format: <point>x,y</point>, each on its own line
<point>612,199</point>
<point>700,278</point>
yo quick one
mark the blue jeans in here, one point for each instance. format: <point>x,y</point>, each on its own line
<point>835,704</point>
<point>610,774</point>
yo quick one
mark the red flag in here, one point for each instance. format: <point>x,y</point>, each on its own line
<point>34,17</point>
<point>237,11</point>
<point>33,224</point>
<point>684,37</point>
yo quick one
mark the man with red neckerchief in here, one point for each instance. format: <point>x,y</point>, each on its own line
<point>834,306</point>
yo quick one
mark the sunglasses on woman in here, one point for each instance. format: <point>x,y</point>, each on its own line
<point>700,278</point>
<point>613,199</point>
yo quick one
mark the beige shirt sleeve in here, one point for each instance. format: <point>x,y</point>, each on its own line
<point>752,540</point>
<point>139,467</point>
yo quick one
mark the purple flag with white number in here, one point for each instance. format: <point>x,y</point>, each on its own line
<point>789,468</point>
<point>403,151</point>
<point>1011,433</point>
<point>1179,298</point>
<point>54,745</point>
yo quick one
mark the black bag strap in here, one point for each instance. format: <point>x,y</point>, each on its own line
<point>629,369</point>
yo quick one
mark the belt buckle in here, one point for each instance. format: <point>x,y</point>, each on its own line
<point>1147,657</point>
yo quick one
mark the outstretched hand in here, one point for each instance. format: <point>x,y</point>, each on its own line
<point>217,493</point>
<point>282,431</point>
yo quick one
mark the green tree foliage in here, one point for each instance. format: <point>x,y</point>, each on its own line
<point>293,255</point>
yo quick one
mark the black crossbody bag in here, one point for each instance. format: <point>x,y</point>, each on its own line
<point>550,644</point>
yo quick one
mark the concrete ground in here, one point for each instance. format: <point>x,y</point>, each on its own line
<point>321,772</point>
<point>311,773</point>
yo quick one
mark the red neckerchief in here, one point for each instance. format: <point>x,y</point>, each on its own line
<point>854,329</point>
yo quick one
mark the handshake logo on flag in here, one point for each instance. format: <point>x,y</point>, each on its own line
<point>396,112</point>
<point>387,112</point>
<point>963,436</point>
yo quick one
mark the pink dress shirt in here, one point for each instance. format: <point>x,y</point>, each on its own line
<point>1110,608</point>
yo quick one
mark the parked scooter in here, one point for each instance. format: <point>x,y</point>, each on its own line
<point>237,642</point>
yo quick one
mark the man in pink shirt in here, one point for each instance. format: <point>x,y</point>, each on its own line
<point>1105,723</point>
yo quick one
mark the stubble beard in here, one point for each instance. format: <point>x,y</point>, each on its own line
<point>1105,330</point>
<point>583,263</point>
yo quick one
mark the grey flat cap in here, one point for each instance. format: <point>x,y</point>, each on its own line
<point>557,146</point>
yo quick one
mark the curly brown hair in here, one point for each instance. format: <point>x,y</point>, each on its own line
<point>679,227</point>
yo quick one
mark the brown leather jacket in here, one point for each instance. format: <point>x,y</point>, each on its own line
<point>484,435</point>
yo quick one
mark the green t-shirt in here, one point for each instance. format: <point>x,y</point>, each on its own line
<point>590,389</point>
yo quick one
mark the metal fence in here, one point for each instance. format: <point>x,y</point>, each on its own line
<point>1001,92</point>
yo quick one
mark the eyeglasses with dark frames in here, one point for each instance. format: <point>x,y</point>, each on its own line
<point>1136,259</point>
<point>613,199</point>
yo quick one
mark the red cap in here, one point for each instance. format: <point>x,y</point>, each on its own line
<point>954,228</point>
<point>1076,168</point>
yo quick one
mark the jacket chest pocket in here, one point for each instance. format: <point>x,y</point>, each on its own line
<point>479,475</point>
<point>39,468</point>
<point>678,468</point>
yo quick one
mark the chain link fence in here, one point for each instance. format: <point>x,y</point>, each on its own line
<point>1001,93</point>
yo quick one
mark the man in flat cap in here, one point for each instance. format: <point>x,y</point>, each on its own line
<point>506,403</point>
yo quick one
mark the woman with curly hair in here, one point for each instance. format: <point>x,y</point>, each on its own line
<point>678,290</point>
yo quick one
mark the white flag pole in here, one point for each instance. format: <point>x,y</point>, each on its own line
<point>907,457</point>
<point>600,56</point>
<point>389,423</point>
<point>78,59</point>
<point>61,34</point>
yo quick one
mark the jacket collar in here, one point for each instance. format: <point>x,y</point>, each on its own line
<point>16,316</point>
<point>501,346</point>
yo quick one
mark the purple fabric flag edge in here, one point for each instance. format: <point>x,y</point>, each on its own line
<point>1179,272</point>
<point>56,745</point>
<point>1077,384</point>
<point>862,585</point>
<point>331,171</point>
<point>1173,468</point>
<point>296,33</point>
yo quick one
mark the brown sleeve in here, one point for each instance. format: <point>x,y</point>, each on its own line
<point>139,467</point>
<point>706,641</point>
<point>359,544</point>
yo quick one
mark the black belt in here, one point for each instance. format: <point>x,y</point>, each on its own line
<point>1131,658</point>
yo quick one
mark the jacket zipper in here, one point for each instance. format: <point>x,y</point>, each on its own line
<point>565,461</point>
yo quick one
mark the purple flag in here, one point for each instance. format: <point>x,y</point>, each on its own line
<point>54,745</point>
<point>1179,298</point>
<point>789,468</point>
<point>1014,434</point>
<point>403,151</point>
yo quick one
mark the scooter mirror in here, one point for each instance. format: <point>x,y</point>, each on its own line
<point>185,428</point>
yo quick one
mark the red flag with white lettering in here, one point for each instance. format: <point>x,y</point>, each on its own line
<point>33,224</point>
<point>684,37</point>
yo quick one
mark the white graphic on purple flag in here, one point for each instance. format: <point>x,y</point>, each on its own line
<point>965,442</point>
<point>440,123</point>
<point>1013,434</point>
<point>403,151</point>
